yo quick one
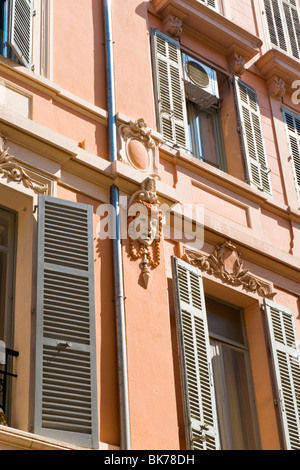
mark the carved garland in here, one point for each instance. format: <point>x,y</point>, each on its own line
<point>226,264</point>
<point>12,170</point>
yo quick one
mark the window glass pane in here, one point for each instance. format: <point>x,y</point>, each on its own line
<point>3,230</point>
<point>3,269</point>
<point>234,402</point>
<point>224,320</point>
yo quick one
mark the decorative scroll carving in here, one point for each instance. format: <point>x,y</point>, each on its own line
<point>13,171</point>
<point>237,64</point>
<point>145,228</point>
<point>226,264</point>
<point>137,146</point>
<point>173,26</point>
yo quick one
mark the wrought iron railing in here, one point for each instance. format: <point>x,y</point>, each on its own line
<point>5,377</point>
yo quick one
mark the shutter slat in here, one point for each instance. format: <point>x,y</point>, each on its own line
<point>20,29</point>
<point>196,371</point>
<point>66,398</point>
<point>255,156</point>
<point>285,355</point>
<point>169,89</point>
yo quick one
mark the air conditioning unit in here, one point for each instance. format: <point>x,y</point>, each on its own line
<point>201,84</point>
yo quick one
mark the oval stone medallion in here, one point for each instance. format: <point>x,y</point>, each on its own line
<point>138,154</point>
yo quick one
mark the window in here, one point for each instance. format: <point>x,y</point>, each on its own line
<point>219,407</point>
<point>292,122</point>
<point>25,33</point>
<point>284,25</point>
<point>210,3</point>
<point>7,272</point>
<point>232,377</point>
<point>187,102</point>
<point>258,173</point>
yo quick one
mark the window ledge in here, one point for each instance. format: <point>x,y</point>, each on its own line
<point>278,64</point>
<point>210,26</point>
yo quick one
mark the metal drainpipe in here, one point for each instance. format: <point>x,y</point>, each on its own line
<point>117,245</point>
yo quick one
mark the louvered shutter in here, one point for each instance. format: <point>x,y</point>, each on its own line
<point>292,122</point>
<point>283,24</point>
<point>194,352</point>
<point>169,90</point>
<point>286,362</point>
<point>66,373</point>
<point>20,29</point>
<point>210,3</point>
<point>252,137</point>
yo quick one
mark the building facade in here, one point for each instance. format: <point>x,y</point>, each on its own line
<point>150,224</point>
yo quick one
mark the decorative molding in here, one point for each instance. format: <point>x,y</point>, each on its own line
<point>145,228</point>
<point>225,263</point>
<point>13,171</point>
<point>237,64</point>
<point>137,147</point>
<point>173,26</point>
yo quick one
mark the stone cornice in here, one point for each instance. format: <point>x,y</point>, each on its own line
<point>275,64</point>
<point>213,28</point>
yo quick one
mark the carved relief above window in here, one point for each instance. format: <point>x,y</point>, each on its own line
<point>226,263</point>
<point>13,171</point>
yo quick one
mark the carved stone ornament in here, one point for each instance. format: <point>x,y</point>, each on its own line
<point>14,171</point>
<point>276,87</point>
<point>237,64</point>
<point>226,264</point>
<point>173,26</point>
<point>137,146</point>
<point>145,228</point>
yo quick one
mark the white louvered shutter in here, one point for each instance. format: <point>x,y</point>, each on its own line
<point>20,29</point>
<point>286,362</point>
<point>283,23</point>
<point>169,90</point>
<point>195,362</point>
<point>210,3</point>
<point>292,122</point>
<point>66,372</point>
<point>252,137</point>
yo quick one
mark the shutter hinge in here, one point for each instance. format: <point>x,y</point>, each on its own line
<point>35,208</point>
<point>33,12</point>
<point>32,68</point>
<point>33,310</point>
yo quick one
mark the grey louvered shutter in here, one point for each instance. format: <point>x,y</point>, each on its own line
<point>284,25</point>
<point>20,29</point>
<point>252,137</point>
<point>195,362</point>
<point>286,362</point>
<point>66,373</point>
<point>292,122</point>
<point>169,90</point>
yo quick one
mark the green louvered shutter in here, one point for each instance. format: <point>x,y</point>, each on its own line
<point>283,25</point>
<point>195,362</point>
<point>292,122</point>
<point>252,137</point>
<point>66,372</point>
<point>286,362</point>
<point>20,29</point>
<point>169,90</point>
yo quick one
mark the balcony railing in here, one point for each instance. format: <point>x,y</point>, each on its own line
<point>5,380</point>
